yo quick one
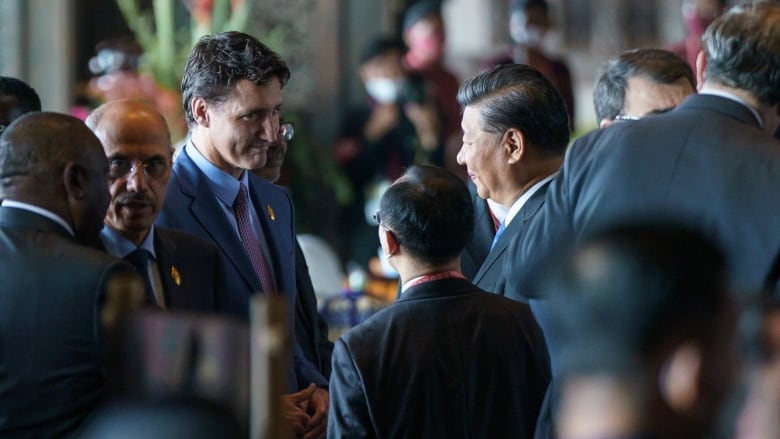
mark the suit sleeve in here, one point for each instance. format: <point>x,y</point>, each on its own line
<point>348,415</point>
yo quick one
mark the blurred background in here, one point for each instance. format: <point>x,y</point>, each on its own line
<point>79,53</point>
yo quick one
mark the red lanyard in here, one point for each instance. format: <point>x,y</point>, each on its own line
<point>456,274</point>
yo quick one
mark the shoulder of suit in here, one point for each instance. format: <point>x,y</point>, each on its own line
<point>269,191</point>
<point>184,239</point>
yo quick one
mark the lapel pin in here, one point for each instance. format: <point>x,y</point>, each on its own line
<point>175,275</point>
<point>271,213</point>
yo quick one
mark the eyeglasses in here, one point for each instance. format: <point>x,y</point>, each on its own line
<point>153,168</point>
<point>378,221</point>
<point>287,131</point>
<point>624,117</point>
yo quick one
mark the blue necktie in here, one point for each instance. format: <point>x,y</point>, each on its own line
<point>500,230</point>
<point>140,259</point>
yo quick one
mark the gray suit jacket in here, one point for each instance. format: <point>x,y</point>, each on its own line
<point>706,163</point>
<point>51,371</point>
<point>491,276</point>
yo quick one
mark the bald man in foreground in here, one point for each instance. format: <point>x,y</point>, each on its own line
<point>180,271</point>
<point>53,187</point>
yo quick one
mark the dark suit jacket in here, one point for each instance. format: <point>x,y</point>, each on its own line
<point>50,348</point>
<point>311,330</point>
<point>706,163</point>
<point>195,263</point>
<point>490,276</point>
<point>192,207</point>
<point>447,360</point>
<point>478,246</point>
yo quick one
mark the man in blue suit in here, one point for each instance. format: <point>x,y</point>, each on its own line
<point>511,155</point>
<point>232,95</point>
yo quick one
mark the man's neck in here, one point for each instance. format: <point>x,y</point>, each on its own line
<point>538,172</point>
<point>409,268</point>
<point>208,150</point>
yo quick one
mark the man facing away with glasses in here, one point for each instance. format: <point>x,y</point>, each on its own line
<point>180,271</point>
<point>639,83</point>
<point>447,359</point>
<point>711,162</point>
<point>232,96</point>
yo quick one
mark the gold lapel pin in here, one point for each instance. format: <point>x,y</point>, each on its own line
<point>175,275</point>
<point>271,213</point>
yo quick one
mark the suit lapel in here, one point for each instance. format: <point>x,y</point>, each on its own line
<point>175,296</point>
<point>514,229</point>
<point>207,211</point>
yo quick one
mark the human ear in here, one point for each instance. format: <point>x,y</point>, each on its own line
<point>514,144</point>
<point>75,181</point>
<point>605,123</point>
<point>679,377</point>
<point>701,66</point>
<point>199,108</point>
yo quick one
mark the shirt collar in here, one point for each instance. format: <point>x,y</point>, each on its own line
<point>735,98</point>
<point>40,211</point>
<point>118,246</point>
<point>520,202</point>
<point>224,185</point>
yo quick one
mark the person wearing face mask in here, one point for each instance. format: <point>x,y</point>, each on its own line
<point>424,34</point>
<point>396,127</point>
<point>697,15</point>
<point>529,22</point>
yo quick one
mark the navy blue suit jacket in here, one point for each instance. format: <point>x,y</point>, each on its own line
<point>707,163</point>
<point>190,270</point>
<point>490,276</point>
<point>191,206</point>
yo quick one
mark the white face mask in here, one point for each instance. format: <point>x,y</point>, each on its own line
<point>385,90</point>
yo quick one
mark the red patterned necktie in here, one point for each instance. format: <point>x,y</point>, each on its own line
<point>250,241</point>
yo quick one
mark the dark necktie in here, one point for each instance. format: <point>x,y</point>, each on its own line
<point>498,235</point>
<point>140,259</point>
<point>250,241</point>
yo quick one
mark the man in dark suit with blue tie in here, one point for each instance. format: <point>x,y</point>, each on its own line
<point>181,271</point>
<point>511,154</point>
<point>232,93</point>
<point>447,359</point>
<point>54,197</point>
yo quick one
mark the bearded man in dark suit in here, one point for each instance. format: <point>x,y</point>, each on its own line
<point>54,197</point>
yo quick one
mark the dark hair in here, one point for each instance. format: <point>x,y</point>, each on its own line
<point>419,11</point>
<point>381,46</point>
<point>27,99</point>
<point>743,50</point>
<point>657,65</point>
<point>430,211</point>
<point>38,145</point>
<point>218,62</point>
<point>518,96</point>
<point>524,5</point>
<point>631,289</point>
